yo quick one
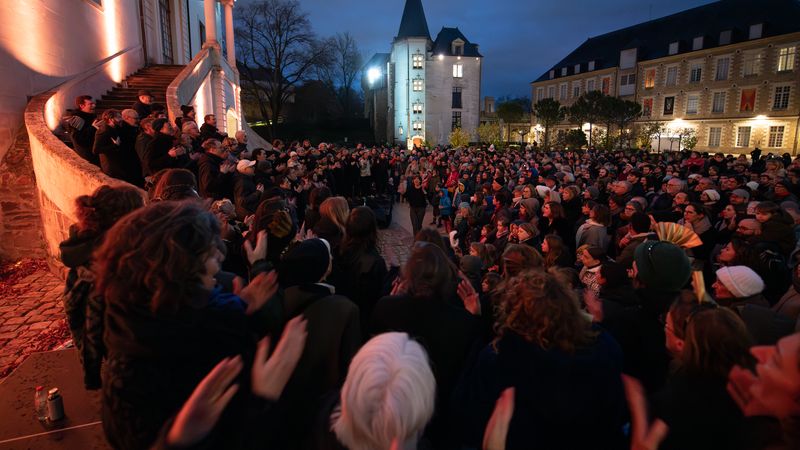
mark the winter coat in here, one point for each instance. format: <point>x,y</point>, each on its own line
<point>592,233</point>
<point>155,361</point>
<point>625,257</point>
<point>83,137</point>
<point>562,400</point>
<point>117,160</point>
<point>157,154</point>
<point>246,196</point>
<point>789,304</point>
<point>780,230</point>
<point>208,131</point>
<point>446,331</point>
<point>212,183</point>
<point>360,277</point>
<point>334,337</point>
<point>83,307</point>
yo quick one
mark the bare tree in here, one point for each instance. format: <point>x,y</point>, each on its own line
<point>347,64</point>
<point>277,50</point>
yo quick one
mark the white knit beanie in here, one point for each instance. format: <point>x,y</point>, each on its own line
<point>713,195</point>
<point>542,191</point>
<point>741,281</point>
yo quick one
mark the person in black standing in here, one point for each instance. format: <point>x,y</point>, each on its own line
<point>128,132</point>
<point>417,202</point>
<point>161,152</point>
<point>209,129</point>
<point>81,130</point>
<point>108,145</point>
<point>144,102</point>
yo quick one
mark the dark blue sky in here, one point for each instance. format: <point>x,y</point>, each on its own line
<point>519,39</point>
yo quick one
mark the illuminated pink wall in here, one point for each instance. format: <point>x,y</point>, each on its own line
<point>45,42</point>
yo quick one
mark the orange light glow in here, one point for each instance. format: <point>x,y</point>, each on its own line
<point>112,39</point>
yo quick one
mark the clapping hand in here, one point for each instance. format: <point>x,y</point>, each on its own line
<point>494,438</point>
<point>469,296</point>
<point>260,289</point>
<point>260,251</point>
<point>200,413</point>
<point>227,167</point>
<point>271,375</point>
<point>644,436</point>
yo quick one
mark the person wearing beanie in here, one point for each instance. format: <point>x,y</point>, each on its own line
<point>246,193</point>
<point>738,285</point>
<point>334,336</point>
<point>660,270</point>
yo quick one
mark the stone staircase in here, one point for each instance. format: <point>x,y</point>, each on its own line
<point>154,78</point>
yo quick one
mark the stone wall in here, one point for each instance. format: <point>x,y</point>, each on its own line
<point>20,222</point>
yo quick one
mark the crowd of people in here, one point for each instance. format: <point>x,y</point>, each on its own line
<point>564,299</point>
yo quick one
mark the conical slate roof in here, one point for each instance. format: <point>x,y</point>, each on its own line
<point>413,23</point>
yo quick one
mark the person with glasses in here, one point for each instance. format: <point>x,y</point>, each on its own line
<point>694,407</point>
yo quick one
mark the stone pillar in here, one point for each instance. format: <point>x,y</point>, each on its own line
<point>230,48</point>
<point>209,7</point>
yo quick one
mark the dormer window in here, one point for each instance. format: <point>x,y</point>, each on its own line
<point>755,30</point>
<point>591,66</point>
<point>563,71</point>
<point>552,74</point>
<point>725,37</point>
<point>577,68</point>
<point>697,43</point>
<point>673,48</point>
<point>457,47</point>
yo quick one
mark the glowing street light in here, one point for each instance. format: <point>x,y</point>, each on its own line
<point>373,74</point>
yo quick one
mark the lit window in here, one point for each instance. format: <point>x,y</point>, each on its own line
<point>696,74</point>
<point>786,59</point>
<point>647,107</point>
<point>458,70</point>
<point>743,137</point>
<point>781,100</point>
<point>722,68</point>
<point>417,84</point>
<point>718,103</point>
<point>751,64</point>
<point>714,136</point>
<point>650,79</point>
<point>417,61</point>
<point>606,86</point>
<point>672,76</point>
<point>417,108</point>
<point>417,126</point>
<point>748,100</point>
<point>669,105</point>
<point>691,103</point>
<point>776,137</point>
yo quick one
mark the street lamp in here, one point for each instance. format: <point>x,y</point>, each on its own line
<point>373,74</point>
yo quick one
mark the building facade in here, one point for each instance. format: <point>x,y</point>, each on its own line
<point>732,80</point>
<point>429,86</point>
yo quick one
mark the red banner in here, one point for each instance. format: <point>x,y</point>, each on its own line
<point>748,102</point>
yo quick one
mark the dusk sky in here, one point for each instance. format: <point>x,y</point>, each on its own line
<point>518,39</point>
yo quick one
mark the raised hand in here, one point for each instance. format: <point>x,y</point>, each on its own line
<point>469,296</point>
<point>494,438</point>
<point>271,375</point>
<point>260,289</point>
<point>200,413</point>
<point>260,251</point>
<point>644,436</point>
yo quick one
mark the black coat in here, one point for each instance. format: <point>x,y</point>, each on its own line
<point>246,196</point>
<point>210,132</point>
<point>562,400</point>
<point>142,141</point>
<point>83,138</point>
<point>446,331</point>
<point>115,147</point>
<point>360,276</point>
<point>334,337</point>
<point>212,183</point>
<point>157,154</point>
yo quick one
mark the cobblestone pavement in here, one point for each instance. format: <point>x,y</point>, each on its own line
<point>31,314</point>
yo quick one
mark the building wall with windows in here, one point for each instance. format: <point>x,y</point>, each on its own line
<point>452,96</point>
<point>733,80</point>
<point>408,88</point>
<point>736,97</point>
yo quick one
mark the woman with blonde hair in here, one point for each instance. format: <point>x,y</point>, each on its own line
<point>333,214</point>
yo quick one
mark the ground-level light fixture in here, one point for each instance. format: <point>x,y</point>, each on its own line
<point>441,57</point>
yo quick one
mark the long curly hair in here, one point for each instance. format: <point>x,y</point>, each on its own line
<point>156,256</point>
<point>107,204</point>
<point>539,307</point>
